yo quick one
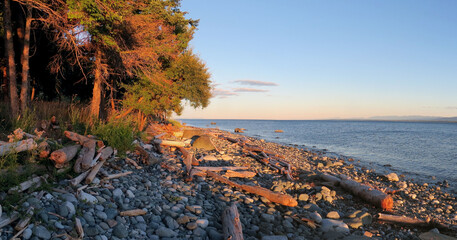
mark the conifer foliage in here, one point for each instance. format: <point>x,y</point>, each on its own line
<point>130,56</point>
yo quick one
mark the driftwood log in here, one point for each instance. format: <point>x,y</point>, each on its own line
<point>134,212</point>
<point>403,220</point>
<point>117,175</point>
<point>239,174</point>
<point>93,172</point>
<point>218,169</point>
<point>34,182</point>
<point>79,228</point>
<point>279,198</point>
<point>367,193</point>
<point>7,220</point>
<point>169,143</point>
<point>84,162</point>
<point>25,221</point>
<point>231,224</point>
<point>75,181</point>
<point>106,153</point>
<point>20,146</point>
<point>64,155</point>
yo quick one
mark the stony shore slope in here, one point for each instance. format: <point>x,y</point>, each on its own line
<point>180,209</point>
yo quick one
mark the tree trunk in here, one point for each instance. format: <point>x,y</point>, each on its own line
<point>97,90</point>
<point>25,61</point>
<point>9,50</point>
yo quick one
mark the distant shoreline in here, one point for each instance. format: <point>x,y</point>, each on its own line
<point>351,120</point>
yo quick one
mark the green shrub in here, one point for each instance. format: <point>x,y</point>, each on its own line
<point>26,121</point>
<point>117,134</point>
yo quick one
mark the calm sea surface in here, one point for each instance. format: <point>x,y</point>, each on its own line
<point>420,149</point>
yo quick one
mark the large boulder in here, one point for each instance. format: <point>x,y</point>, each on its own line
<point>190,133</point>
<point>203,142</point>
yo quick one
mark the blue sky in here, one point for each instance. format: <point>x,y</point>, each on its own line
<point>300,59</point>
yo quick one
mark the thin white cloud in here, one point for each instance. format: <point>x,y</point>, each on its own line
<point>452,107</point>
<point>256,83</point>
<point>222,93</point>
<point>249,90</point>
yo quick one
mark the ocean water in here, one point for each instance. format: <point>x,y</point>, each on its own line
<point>420,150</point>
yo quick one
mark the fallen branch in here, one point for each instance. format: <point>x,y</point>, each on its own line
<point>131,161</point>
<point>79,228</point>
<point>134,212</point>
<point>231,224</point>
<point>279,198</point>
<point>218,169</point>
<point>118,175</point>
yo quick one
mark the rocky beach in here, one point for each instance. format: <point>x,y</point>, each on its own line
<point>158,199</point>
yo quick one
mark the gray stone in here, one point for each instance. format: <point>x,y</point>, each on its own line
<point>312,207</point>
<point>328,225</point>
<point>111,213</point>
<point>316,217</point>
<point>104,225</point>
<point>103,216</point>
<point>41,232</point>
<point>120,231</point>
<point>91,231</point>
<point>117,193</point>
<point>27,234</point>
<point>130,194</point>
<point>166,232</point>
<point>267,217</point>
<point>213,234</point>
<point>89,218</point>
<point>170,222</point>
<point>70,207</point>
<point>275,237</point>
<point>86,197</point>
<point>58,225</point>
<point>203,223</point>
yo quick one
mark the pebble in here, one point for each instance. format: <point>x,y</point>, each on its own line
<point>41,232</point>
<point>393,177</point>
<point>191,225</point>
<point>316,217</point>
<point>120,231</point>
<point>303,197</point>
<point>117,193</point>
<point>27,234</point>
<point>166,232</point>
<point>333,215</point>
<point>86,197</point>
<point>267,217</point>
<point>328,225</point>
<point>275,237</point>
<point>203,223</point>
